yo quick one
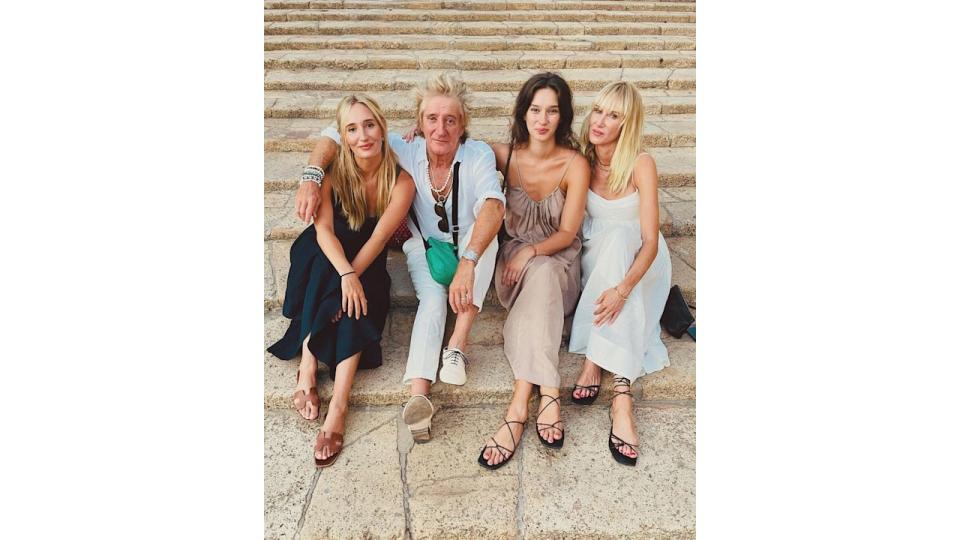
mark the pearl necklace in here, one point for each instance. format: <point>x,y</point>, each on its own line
<point>445,183</point>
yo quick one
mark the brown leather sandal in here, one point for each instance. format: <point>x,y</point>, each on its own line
<point>301,398</point>
<point>330,441</point>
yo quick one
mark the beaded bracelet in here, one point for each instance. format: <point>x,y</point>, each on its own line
<point>312,173</point>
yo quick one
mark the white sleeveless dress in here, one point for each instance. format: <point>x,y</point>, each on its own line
<point>630,347</point>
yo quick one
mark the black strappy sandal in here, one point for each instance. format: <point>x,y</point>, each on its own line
<point>500,448</point>
<point>592,389</point>
<point>616,443</point>
<point>558,443</point>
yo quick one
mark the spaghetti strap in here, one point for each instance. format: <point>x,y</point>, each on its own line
<point>565,168</point>
<point>555,189</point>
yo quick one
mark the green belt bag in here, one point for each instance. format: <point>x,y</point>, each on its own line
<point>442,256</point>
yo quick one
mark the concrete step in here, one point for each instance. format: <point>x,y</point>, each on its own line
<point>489,376</point>
<point>475,60</point>
<point>432,490</point>
<point>485,5</point>
<point>677,168</point>
<point>654,83</point>
<point>473,15</point>
<point>480,43</point>
<point>508,28</point>
<point>301,134</point>
<point>276,259</point>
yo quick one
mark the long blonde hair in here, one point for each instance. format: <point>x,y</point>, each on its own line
<point>623,97</point>
<point>346,176</point>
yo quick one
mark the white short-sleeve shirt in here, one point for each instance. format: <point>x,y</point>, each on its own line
<point>478,182</point>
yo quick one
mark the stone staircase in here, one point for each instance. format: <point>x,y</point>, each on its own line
<point>384,486</point>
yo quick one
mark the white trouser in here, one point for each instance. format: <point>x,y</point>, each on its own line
<point>426,338</point>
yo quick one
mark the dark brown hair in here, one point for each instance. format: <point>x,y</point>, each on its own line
<point>564,135</point>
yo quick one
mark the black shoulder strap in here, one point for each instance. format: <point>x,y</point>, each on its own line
<point>413,217</point>
<point>456,202</point>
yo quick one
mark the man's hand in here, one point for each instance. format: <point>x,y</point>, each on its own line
<point>308,201</point>
<point>411,134</point>
<point>461,288</point>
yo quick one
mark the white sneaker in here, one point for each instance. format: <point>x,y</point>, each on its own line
<point>454,363</point>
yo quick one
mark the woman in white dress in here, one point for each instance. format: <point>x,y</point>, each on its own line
<point>625,263</point>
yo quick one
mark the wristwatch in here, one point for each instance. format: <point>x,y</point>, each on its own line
<point>470,255</point>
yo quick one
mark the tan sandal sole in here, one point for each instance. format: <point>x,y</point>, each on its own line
<point>418,415</point>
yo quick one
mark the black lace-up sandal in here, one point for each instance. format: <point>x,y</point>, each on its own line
<point>593,390</point>
<point>616,443</point>
<point>505,452</point>
<point>557,443</point>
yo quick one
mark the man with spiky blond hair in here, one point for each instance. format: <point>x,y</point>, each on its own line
<point>446,165</point>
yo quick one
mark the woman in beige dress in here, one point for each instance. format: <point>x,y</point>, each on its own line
<point>538,268</point>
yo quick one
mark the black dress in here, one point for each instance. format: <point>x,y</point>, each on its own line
<point>314,296</point>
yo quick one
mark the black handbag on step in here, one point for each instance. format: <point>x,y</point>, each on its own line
<point>676,318</point>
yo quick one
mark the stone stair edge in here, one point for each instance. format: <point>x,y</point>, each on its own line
<point>355,59</point>
<point>486,5</point>
<point>477,44</point>
<point>476,15</point>
<point>389,42</point>
<point>306,104</point>
<point>650,81</point>
<point>479,28</point>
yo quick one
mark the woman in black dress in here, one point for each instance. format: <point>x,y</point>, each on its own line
<point>338,289</point>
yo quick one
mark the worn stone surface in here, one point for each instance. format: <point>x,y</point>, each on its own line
<point>480,43</point>
<point>279,376</point>
<point>288,471</point>
<point>676,381</point>
<point>581,492</point>
<point>479,28</point>
<point>685,276</point>
<point>450,494</point>
<point>486,5</point>
<point>397,105</point>
<point>685,248</point>
<point>361,495</point>
<point>456,15</point>
<point>280,264</point>
<point>652,81</point>
<point>269,283</point>
<point>678,218</point>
